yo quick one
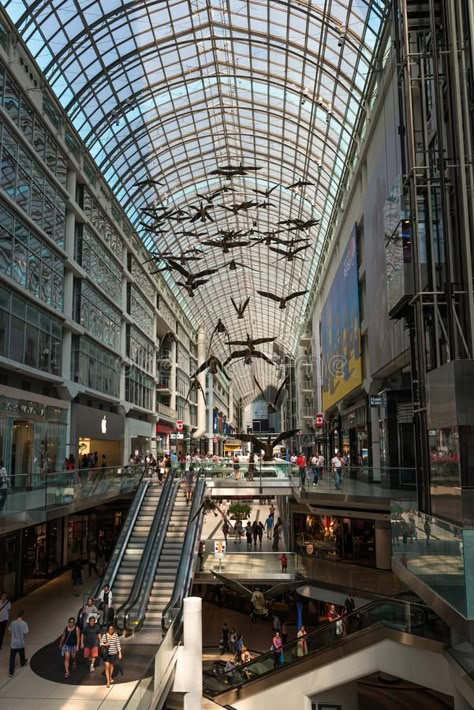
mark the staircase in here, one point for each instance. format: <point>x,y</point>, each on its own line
<point>134,551</point>
<point>165,575</point>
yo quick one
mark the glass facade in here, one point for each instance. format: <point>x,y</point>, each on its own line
<point>19,110</point>
<point>139,349</point>
<point>98,316</point>
<point>30,261</point>
<point>138,388</point>
<point>97,261</point>
<point>104,227</point>
<point>28,334</point>
<point>140,311</point>
<point>26,183</point>
<point>95,367</point>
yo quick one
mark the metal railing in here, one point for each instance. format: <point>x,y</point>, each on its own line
<point>166,411</point>
<point>408,617</point>
<point>70,487</point>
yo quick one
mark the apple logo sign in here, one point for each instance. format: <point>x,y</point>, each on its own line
<point>103,424</point>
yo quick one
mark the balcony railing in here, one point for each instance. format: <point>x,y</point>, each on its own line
<point>166,411</point>
<point>56,489</point>
<point>164,354</point>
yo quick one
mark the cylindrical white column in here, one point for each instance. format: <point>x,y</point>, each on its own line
<point>192,637</point>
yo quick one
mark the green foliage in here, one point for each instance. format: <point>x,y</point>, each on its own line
<point>239,510</point>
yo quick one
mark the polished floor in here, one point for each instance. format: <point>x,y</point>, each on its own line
<point>46,612</point>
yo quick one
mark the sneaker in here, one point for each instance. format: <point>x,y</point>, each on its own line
<point>92,669</point>
<point>11,675</point>
<point>66,675</point>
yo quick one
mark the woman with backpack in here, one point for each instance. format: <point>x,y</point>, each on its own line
<point>69,644</point>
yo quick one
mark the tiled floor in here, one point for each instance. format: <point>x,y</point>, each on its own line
<point>46,611</point>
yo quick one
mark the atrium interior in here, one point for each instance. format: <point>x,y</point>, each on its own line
<point>237,353</point>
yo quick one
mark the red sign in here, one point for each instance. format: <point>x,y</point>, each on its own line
<point>319,419</point>
<point>179,425</point>
<point>215,440</point>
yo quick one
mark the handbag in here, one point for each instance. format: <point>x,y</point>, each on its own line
<point>104,652</point>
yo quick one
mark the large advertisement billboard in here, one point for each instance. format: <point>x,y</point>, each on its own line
<point>340,331</point>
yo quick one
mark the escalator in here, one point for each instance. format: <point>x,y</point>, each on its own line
<point>405,622</point>
<point>165,570</point>
<point>133,551</point>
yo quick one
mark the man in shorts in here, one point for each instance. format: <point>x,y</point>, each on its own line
<point>90,639</point>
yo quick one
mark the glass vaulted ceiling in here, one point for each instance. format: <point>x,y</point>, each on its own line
<point>171,90</point>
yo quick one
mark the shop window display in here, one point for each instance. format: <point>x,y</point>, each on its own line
<point>335,538</point>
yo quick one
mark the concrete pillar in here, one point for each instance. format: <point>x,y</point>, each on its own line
<point>192,644</point>
<point>383,544</point>
<point>375,431</point>
<point>173,356</point>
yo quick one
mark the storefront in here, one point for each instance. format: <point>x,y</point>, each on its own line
<point>138,434</point>
<point>163,432</point>
<point>97,430</point>
<point>33,434</point>
<point>335,538</point>
<point>355,434</point>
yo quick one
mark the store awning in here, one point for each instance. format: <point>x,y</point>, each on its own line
<point>163,429</point>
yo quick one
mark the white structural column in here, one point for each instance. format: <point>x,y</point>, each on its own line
<point>192,635</point>
<point>201,406</point>
<point>375,427</point>
<point>172,377</point>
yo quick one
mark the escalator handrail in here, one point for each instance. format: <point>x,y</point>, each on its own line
<point>349,620</point>
<point>142,586</point>
<point>183,576</point>
<point>123,539</point>
<point>122,611</point>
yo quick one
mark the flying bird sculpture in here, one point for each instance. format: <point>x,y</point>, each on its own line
<point>219,328</point>
<point>289,254</point>
<point>225,244</point>
<point>270,443</point>
<point>241,307</point>
<point>202,213</point>
<point>213,364</point>
<point>299,224</point>
<point>300,183</point>
<point>265,193</point>
<point>147,181</point>
<point>230,171</point>
<point>259,599</point>
<point>242,206</point>
<point>282,300</point>
<point>196,387</point>
<point>271,406</point>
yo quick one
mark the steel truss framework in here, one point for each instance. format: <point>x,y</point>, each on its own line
<point>171,89</point>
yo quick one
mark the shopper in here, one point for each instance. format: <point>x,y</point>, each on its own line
<point>301,645</point>
<point>239,531</point>
<point>90,640</point>
<point>301,463</point>
<point>255,532</point>
<point>4,485</point>
<point>269,526</point>
<point>277,644</point>
<point>89,609</point>
<point>337,464</point>
<point>18,630</point>
<point>5,607</point>
<point>248,535</point>
<point>225,530</point>
<point>284,562</point>
<point>111,651</point>
<point>69,644</point>
<point>106,604</point>
<point>235,467</point>
<point>251,466</point>
<point>260,529</point>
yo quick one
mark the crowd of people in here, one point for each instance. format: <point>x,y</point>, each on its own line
<point>282,648</point>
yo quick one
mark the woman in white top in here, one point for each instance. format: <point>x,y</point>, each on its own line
<point>111,643</point>
<point>106,604</point>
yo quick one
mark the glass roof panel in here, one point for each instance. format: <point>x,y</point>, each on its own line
<point>168,90</point>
